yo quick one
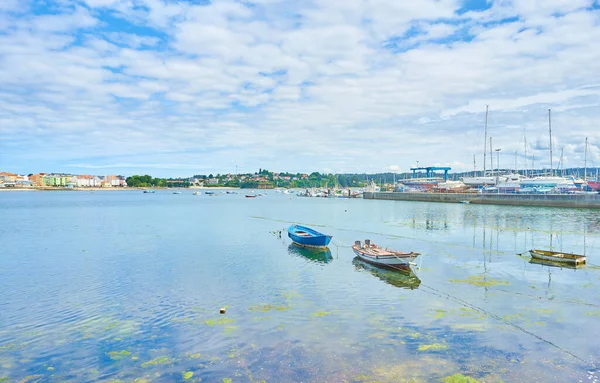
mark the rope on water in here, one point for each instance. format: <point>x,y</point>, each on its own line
<point>464,303</point>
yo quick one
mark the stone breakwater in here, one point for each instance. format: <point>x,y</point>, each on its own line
<point>589,201</point>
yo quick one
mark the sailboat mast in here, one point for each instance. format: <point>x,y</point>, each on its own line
<point>550,132</point>
<point>491,158</point>
<point>474,167</point>
<point>525,137</point>
<point>485,138</point>
<point>585,162</point>
<point>516,171</point>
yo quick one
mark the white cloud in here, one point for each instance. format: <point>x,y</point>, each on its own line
<point>203,85</point>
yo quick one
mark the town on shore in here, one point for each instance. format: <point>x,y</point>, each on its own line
<point>263,179</point>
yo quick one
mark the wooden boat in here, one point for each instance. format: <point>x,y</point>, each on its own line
<point>371,253</point>
<point>307,237</point>
<point>555,256</point>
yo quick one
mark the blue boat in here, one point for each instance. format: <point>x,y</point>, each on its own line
<point>307,237</point>
<point>149,191</point>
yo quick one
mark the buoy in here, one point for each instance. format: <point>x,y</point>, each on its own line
<point>222,310</point>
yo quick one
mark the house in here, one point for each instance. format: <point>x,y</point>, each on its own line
<point>8,177</point>
<point>55,180</point>
<point>213,181</point>
<point>36,179</point>
<point>84,180</point>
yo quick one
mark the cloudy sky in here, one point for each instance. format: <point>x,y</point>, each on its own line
<point>175,88</point>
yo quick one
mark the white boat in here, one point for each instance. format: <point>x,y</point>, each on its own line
<point>196,193</point>
<point>371,253</point>
<point>548,181</point>
<point>480,181</point>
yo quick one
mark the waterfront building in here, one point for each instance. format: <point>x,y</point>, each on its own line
<point>55,180</point>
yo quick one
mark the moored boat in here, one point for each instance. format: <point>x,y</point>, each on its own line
<point>307,237</point>
<point>209,192</point>
<point>377,255</point>
<point>250,195</point>
<point>555,256</point>
<point>149,191</point>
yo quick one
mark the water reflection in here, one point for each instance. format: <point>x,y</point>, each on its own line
<point>312,255</point>
<point>402,277</point>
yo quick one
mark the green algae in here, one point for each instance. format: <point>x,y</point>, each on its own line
<point>432,347</point>
<point>4,380</point>
<point>220,321</point>
<point>266,308</point>
<point>262,318</point>
<point>229,329</point>
<point>187,375</point>
<point>158,361</point>
<point>480,280</point>
<point>439,313</point>
<point>227,380</point>
<point>593,313</point>
<point>320,314</point>
<point>193,356</point>
<point>458,378</point>
<point>118,355</point>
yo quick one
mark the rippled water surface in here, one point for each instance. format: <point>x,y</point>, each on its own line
<point>125,286</point>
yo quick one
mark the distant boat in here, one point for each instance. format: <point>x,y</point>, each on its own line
<point>149,191</point>
<point>196,193</point>
<point>555,256</point>
<point>371,253</point>
<point>177,192</point>
<point>307,237</point>
<point>250,195</point>
<point>209,192</point>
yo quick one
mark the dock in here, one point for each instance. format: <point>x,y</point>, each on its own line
<point>586,201</point>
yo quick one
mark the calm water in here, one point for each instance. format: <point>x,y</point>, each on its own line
<point>107,286</point>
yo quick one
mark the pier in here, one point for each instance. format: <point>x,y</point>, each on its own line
<point>588,201</point>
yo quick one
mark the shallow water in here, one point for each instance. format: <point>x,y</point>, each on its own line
<point>108,286</point>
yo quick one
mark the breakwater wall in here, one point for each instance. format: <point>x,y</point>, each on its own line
<point>548,200</point>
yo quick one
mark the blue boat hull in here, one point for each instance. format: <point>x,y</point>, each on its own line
<point>307,237</point>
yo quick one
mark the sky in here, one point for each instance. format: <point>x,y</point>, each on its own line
<point>176,88</point>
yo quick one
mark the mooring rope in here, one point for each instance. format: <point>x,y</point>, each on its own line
<point>464,303</point>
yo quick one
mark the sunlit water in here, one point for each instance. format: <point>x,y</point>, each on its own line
<point>119,286</point>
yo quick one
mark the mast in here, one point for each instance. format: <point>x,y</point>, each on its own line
<point>491,158</point>
<point>550,132</point>
<point>474,167</point>
<point>562,165</point>
<point>516,171</point>
<point>485,138</point>
<point>525,137</point>
<point>585,162</point>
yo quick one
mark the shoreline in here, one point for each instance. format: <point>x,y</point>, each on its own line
<point>32,189</point>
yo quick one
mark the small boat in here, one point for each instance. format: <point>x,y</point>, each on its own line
<point>371,253</point>
<point>177,192</point>
<point>465,202</point>
<point>209,192</point>
<point>555,256</point>
<point>196,193</point>
<point>149,191</point>
<point>250,195</point>
<point>307,237</point>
